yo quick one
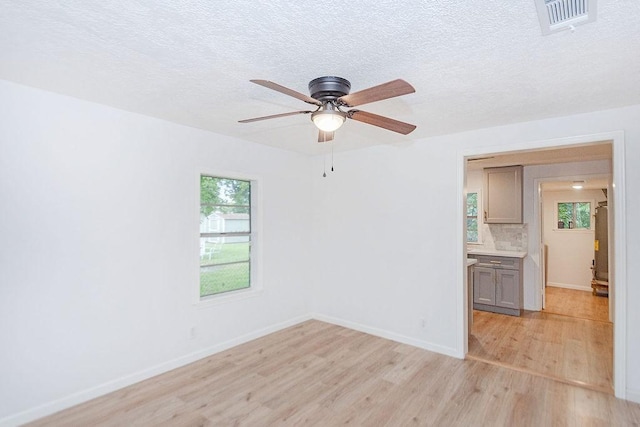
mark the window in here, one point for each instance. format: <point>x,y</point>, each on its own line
<point>225,235</point>
<point>574,215</point>
<point>473,223</point>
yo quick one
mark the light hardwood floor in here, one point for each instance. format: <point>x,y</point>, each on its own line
<point>581,304</point>
<point>571,340</point>
<point>325,375</point>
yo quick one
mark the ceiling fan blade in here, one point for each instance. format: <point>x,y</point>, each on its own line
<point>274,116</point>
<point>325,136</point>
<point>381,121</point>
<point>286,91</point>
<point>377,93</point>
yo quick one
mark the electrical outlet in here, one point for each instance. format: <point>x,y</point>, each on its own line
<point>423,322</point>
<point>192,332</point>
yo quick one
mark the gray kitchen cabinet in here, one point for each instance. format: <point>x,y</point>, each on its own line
<point>508,288</point>
<point>502,195</point>
<point>484,285</point>
<point>497,285</point>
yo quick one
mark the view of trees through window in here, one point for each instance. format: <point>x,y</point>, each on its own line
<point>225,235</point>
<point>574,215</point>
<point>472,217</point>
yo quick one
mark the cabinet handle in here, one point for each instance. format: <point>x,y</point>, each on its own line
<point>485,216</point>
<point>495,262</point>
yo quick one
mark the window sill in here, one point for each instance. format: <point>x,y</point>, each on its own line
<point>573,230</point>
<point>233,296</point>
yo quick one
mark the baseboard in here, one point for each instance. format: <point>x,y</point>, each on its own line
<point>108,387</point>
<point>633,395</point>
<point>382,333</point>
<point>570,286</point>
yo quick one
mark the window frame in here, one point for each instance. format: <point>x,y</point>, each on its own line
<point>478,217</point>
<point>556,217</point>
<point>255,257</point>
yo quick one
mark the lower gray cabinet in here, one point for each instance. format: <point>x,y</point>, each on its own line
<point>484,285</point>
<point>497,285</point>
<point>508,288</point>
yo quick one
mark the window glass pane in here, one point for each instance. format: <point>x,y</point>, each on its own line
<point>565,214</point>
<point>236,219</point>
<point>224,259</point>
<point>472,217</point>
<point>583,215</point>
<point>223,250</point>
<point>223,192</point>
<point>472,204</point>
<point>235,191</point>
<point>224,264</point>
<point>223,278</point>
<point>472,230</point>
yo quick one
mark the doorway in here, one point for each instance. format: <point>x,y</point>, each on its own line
<point>574,235</point>
<point>534,272</point>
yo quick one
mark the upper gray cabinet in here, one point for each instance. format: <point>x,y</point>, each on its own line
<point>503,195</point>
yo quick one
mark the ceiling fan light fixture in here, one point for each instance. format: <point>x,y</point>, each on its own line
<point>328,120</point>
<point>330,93</point>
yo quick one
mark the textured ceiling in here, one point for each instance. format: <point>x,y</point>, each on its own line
<point>473,63</point>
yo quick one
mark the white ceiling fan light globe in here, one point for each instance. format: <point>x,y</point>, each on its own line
<point>328,120</point>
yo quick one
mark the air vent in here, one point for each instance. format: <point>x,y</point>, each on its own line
<point>558,15</point>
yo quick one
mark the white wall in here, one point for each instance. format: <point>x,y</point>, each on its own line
<point>384,237</point>
<point>570,251</point>
<point>98,252</point>
<point>387,280</point>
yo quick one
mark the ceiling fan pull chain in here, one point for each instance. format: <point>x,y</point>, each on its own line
<point>324,161</point>
<point>332,143</point>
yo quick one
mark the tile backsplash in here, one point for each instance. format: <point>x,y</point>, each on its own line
<point>505,237</point>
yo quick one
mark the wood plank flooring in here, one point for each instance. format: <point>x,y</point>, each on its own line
<point>571,340</point>
<point>570,302</point>
<point>319,374</point>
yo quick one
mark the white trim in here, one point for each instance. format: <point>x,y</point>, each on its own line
<point>383,333</point>
<point>619,278</point>
<point>256,281</point>
<point>569,286</point>
<point>633,395</point>
<point>462,297</point>
<point>127,380</point>
<point>619,236</point>
<point>536,227</point>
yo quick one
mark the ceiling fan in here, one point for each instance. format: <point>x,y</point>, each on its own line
<point>331,94</point>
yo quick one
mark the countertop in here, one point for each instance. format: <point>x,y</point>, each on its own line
<point>495,252</point>
<point>471,261</point>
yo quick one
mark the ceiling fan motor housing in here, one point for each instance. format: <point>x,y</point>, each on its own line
<point>329,88</point>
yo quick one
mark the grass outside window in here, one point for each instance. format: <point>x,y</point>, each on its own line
<point>224,267</point>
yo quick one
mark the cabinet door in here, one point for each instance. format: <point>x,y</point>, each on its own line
<point>503,195</point>
<point>508,288</point>
<point>484,285</point>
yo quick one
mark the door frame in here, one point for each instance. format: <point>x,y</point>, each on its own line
<point>538,215</point>
<point>618,235</point>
